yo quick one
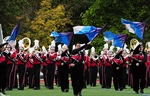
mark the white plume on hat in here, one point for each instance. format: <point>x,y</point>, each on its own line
<point>105,46</point>
<point>12,43</point>
<point>31,50</point>
<point>126,49</point>
<point>20,42</point>
<point>64,45</point>
<point>73,47</point>
<point>44,49</point>
<point>92,50</point>
<point>86,52</point>
<point>118,48</point>
<point>1,34</point>
<point>53,43</point>
<point>36,43</point>
<point>111,48</point>
<point>59,47</point>
<point>148,44</point>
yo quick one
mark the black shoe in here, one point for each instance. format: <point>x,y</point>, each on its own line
<point>50,87</point>
<point>66,90</point>
<point>36,88</point>
<point>141,91</point>
<point>3,91</point>
<point>9,89</point>
<point>121,89</point>
<point>80,94</point>
<point>136,92</point>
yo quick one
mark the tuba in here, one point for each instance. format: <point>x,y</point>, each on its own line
<point>26,43</point>
<point>133,43</point>
<point>147,46</point>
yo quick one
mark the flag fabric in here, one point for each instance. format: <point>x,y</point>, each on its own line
<point>119,40</point>
<point>90,31</point>
<point>135,27</point>
<point>108,36</point>
<point>14,32</point>
<point>63,37</point>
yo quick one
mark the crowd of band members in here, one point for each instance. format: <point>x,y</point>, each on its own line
<point>120,68</point>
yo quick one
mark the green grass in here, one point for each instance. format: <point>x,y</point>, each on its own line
<point>89,91</point>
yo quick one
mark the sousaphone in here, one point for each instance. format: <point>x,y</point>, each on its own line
<point>133,43</point>
<point>26,43</point>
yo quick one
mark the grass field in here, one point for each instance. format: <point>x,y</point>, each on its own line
<point>89,91</point>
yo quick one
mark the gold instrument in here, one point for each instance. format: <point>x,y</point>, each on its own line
<point>26,43</point>
<point>133,43</point>
<point>95,57</point>
<point>147,46</point>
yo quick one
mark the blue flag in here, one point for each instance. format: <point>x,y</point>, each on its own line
<point>134,27</point>
<point>108,36</point>
<point>119,40</point>
<point>90,31</point>
<point>64,37</point>
<point>14,33</point>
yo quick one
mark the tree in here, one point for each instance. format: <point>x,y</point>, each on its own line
<point>111,12</point>
<point>48,19</point>
<point>10,12</point>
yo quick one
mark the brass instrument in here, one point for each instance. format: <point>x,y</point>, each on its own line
<point>133,43</point>
<point>95,57</point>
<point>147,46</point>
<point>26,43</point>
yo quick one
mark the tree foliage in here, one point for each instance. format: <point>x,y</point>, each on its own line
<point>110,12</point>
<point>48,19</point>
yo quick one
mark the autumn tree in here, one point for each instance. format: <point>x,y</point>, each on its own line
<point>48,19</point>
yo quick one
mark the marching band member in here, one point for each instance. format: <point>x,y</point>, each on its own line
<point>77,68</point>
<point>93,67</point>
<point>64,69</point>
<point>11,66</point>
<point>86,69</point>
<point>104,57</point>
<point>58,62</point>
<point>148,68</point>
<point>108,67</point>
<point>129,61</point>
<point>21,62</point>
<point>37,61</point>
<point>30,70</point>
<point>44,65</point>
<point>51,60</point>
<point>100,65</point>
<point>124,67</point>
<point>3,68</point>
<point>117,70</point>
<point>138,68</point>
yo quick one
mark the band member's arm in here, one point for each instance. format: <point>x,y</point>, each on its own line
<point>6,58</point>
<point>75,51</point>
